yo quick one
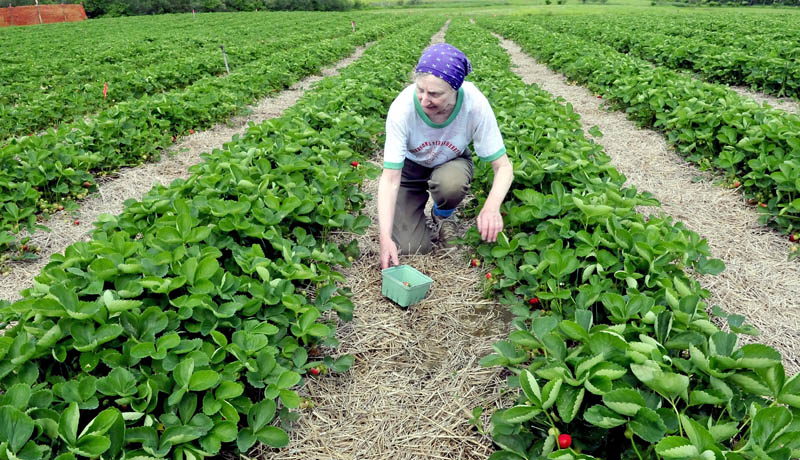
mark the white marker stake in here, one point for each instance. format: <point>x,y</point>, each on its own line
<point>225,58</point>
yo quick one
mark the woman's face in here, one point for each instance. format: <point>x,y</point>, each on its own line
<point>436,96</point>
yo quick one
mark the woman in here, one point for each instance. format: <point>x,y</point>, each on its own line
<point>428,130</point>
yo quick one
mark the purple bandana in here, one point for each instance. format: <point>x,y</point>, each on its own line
<point>446,62</point>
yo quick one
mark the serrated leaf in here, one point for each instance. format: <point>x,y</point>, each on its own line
<point>602,416</point>
<point>648,425</point>
<point>519,414</point>
<point>625,401</point>
<point>676,447</point>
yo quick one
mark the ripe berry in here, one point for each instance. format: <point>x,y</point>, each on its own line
<point>314,371</point>
<point>87,184</point>
<point>488,276</point>
<point>354,164</point>
<point>736,184</point>
<point>475,262</point>
<point>564,441</point>
<point>405,283</point>
<point>763,205</point>
<point>77,222</point>
<point>191,131</point>
<point>794,237</point>
<point>534,301</point>
<point>24,247</point>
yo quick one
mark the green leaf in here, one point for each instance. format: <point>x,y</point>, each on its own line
<point>288,379</point>
<point>203,380</point>
<point>16,427</point>
<point>519,414</point>
<point>68,424</point>
<point>229,390</point>
<point>768,424</point>
<point>102,422</point>
<point>289,399</point>
<point>17,396</point>
<point>602,416</point>
<point>530,387</point>
<point>648,425</point>
<point>624,401</point>
<point>569,402</point>
<point>92,446</point>
<point>790,394</point>
<point>261,414</point>
<point>676,447</point>
<point>757,356</point>
<point>273,436</point>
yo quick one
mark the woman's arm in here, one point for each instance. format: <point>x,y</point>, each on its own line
<point>490,222</point>
<point>387,199</point>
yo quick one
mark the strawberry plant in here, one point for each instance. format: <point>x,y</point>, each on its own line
<point>183,326</point>
<point>627,360</point>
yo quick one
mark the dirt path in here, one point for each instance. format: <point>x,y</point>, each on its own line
<point>416,372</point>
<point>758,282</point>
<point>133,183</point>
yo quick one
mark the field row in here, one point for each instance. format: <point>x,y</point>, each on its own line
<point>773,67</point>
<point>46,88</point>
<point>758,149</point>
<point>611,343</point>
<point>186,322</point>
<point>42,173</point>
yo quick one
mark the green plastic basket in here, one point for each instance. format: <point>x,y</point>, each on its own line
<point>394,288</point>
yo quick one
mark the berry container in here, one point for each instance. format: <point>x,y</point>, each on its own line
<point>404,295</point>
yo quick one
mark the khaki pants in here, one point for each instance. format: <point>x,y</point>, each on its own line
<point>447,183</point>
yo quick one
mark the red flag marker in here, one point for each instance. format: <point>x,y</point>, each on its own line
<point>105,90</point>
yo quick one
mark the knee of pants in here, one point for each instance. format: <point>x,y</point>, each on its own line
<point>447,195</point>
<point>413,244</point>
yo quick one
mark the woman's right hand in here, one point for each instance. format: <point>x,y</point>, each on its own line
<point>388,253</point>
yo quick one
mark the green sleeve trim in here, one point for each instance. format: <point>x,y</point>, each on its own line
<point>456,110</point>
<point>495,155</point>
<point>390,165</point>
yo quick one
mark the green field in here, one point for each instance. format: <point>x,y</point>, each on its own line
<point>186,326</point>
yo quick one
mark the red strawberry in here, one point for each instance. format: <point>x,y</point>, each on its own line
<point>488,276</point>
<point>794,237</point>
<point>405,283</point>
<point>24,247</point>
<point>191,131</point>
<point>564,441</point>
<point>173,138</point>
<point>736,184</point>
<point>77,222</point>
<point>87,184</point>
<point>534,301</point>
<point>314,371</point>
<point>354,164</point>
<point>475,262</point>
<point>763,205</point>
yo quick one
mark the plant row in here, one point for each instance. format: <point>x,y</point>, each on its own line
<point>757,148</point>
<point>185,323</point>
<point>612,352</point>
<point>41,173</point>
<point>167,59</point>
<point>720,63</point>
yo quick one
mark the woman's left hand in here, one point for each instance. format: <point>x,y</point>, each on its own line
<point>490,223</point>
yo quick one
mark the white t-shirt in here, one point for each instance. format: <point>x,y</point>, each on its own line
<point>411,134</point>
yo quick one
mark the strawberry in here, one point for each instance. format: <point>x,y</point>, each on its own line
<point>191,131</point>
<point>354,164</point>
<point>564,441</point>
<point>534,301</point>
<point>314,371</point>
<point>763,205</point>
<point>24,247</point>
<point>488,276</point>
<point>77,222</point>
<point>405,283</point>
<point>736,184</point>
<point>173,138</point>
<point>794,237</point>
<point>475,263</point>
<point>87,184</point>
<point>60,207</point>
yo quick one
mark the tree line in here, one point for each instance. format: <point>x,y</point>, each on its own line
<point>97,8</point>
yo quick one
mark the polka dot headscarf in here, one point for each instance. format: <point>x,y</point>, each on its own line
<point>446,62</point>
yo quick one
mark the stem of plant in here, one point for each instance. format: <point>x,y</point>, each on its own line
<point>636,449</point>
<point>678,414</point>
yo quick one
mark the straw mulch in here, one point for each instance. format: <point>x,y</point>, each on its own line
<point>783,103</point>
<point>759,282</point>
<point>133,183</point>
